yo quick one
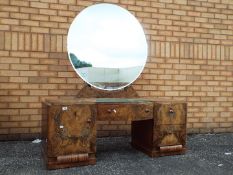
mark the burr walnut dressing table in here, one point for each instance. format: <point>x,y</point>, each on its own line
<point>108,63</point>
<point>69,127</point>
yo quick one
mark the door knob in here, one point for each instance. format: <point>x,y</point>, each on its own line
<point>112,110</point>
<point>171,112</point>
<point>89,120</point>
<point>147,110</point>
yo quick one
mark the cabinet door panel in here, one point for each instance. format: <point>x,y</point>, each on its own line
<point>71,130</point>
<point>168,135</point>
<point>167,114</point>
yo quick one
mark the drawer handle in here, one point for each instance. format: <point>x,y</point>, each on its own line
<point>171,112</point>
<point>147,110</point>
<point>89,120</point>
<point>171,148</point>
<point>112,110</point>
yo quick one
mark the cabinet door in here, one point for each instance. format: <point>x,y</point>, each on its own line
<point>72,130</point>
<point>170,114</point>
<point>168,135</point>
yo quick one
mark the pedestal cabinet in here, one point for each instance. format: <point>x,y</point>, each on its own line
<point>69,131</point>
<point>165,134</point>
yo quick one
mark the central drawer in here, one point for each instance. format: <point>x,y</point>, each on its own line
<point>124,112</point>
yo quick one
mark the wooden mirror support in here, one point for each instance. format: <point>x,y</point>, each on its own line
<point>90,92</point>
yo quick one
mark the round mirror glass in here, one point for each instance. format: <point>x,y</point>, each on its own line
<point>107,46</point>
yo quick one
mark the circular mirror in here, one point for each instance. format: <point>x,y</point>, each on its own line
<point>107,46</point>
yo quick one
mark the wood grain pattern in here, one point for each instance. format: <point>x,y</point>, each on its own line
<point>167,129</point>
<point>167,114</point>
<point>158,127</point>
<point>124,112</point>
<point>90,92</point>
<point>71,133</point>
<point>64,137</point>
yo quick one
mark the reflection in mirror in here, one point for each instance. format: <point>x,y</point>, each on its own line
<point>107,46</point>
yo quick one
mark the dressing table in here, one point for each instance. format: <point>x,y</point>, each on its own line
<point>158,127</point>
<point>69,125</point>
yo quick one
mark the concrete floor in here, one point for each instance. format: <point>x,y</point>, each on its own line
<point>210,154</point>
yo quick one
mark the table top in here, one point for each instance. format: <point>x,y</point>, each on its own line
<point>69,101</point>
<point>96,100</point>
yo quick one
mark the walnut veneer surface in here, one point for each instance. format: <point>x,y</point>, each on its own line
<point>69,127</point>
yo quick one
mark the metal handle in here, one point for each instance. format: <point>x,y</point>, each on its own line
<point>171,148</point>
<point>171,112</point>
<point>147,110</point>
<point>89,120</point>
<point>112,110</point>
<point>73,158</point>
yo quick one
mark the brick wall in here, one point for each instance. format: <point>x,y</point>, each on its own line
<point>190,58</point>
